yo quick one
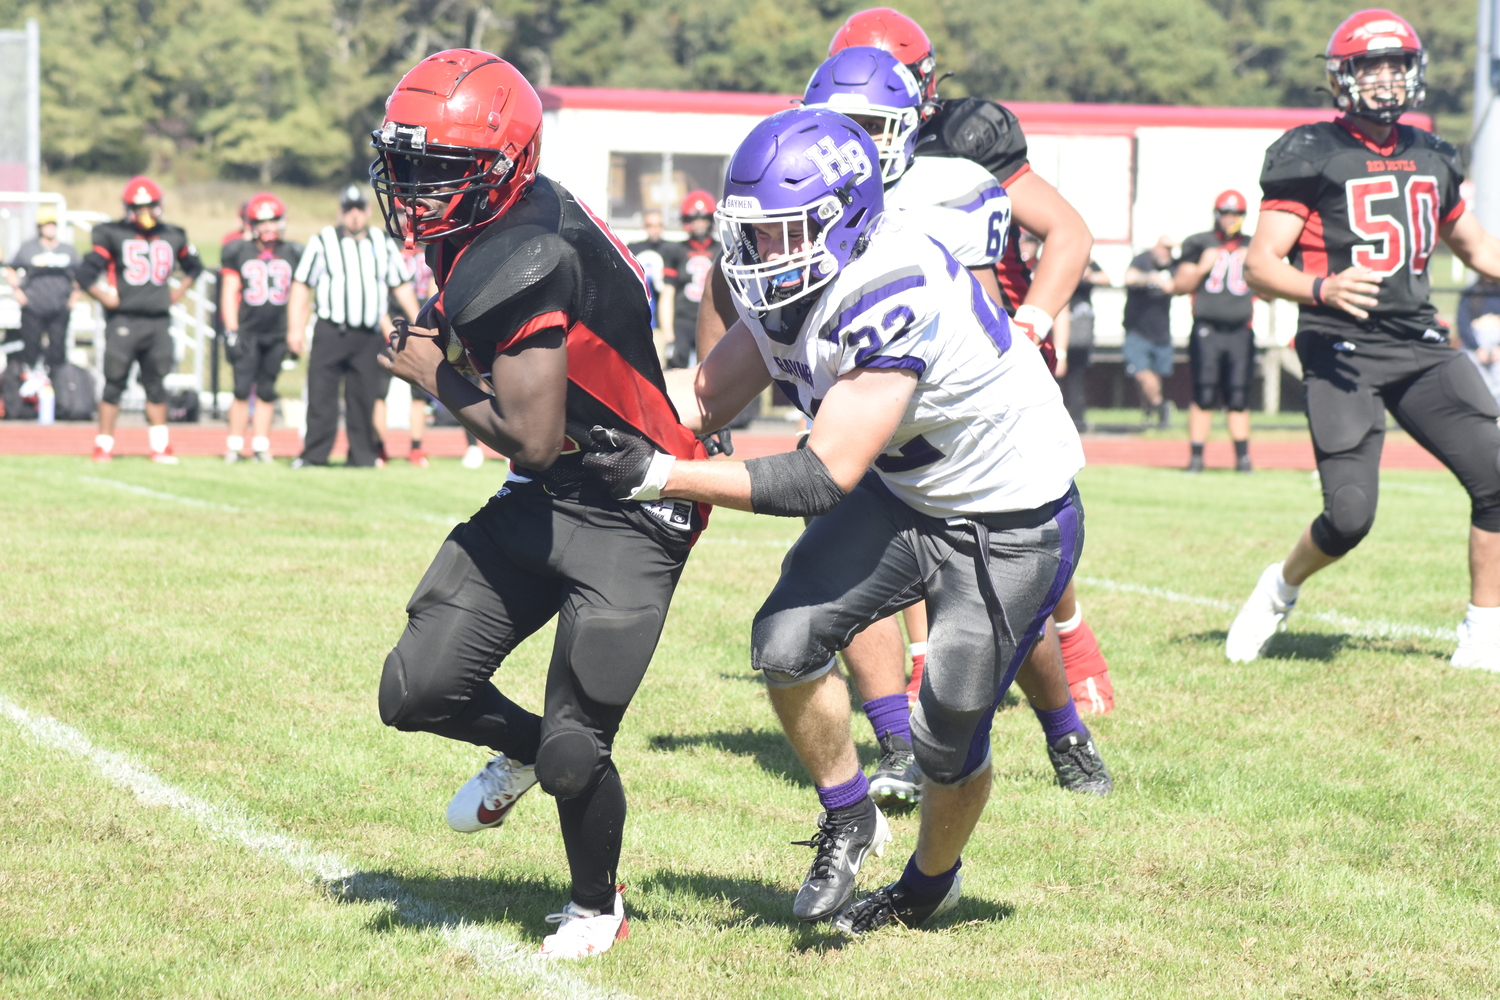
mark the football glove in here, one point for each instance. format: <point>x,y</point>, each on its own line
<point>233,347</point>
<point>629,466</point>
<point>718,443</point>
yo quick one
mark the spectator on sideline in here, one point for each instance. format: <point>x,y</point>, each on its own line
<point>1479,331</point>
<point>1222,351</point>
<point>699,253</point>
<point>1148,331</point>
<point>44,291</point>
<point>1079,349</point>
<point>345,274</point>
<point>662,260</point>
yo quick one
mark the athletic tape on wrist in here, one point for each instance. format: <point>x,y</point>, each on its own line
<point>1036,318</point>
<point>656,477</point>
<point>792,484</point>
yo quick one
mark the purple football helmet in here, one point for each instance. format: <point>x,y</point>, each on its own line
<point>810,172</point>
<point>871,84</point>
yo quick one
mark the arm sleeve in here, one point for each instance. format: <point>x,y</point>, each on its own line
<point>1289,182</point>
<point>892,323</point>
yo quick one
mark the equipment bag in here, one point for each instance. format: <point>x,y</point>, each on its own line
<point>74,388</point>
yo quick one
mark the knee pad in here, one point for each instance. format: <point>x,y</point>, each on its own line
<point>1204,396</point>
<point>393,693</point>
<point>156,390</point>
<point>1484,512</point>
<point>609,650</point>
<point>267,394</point>
<point>568,762</point>
<point>786,643</point>
<point>1345,522</point>
<point>1239,399</point>
<point>112,391</point>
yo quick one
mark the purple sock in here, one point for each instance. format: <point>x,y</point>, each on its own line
<point>928,886</point>
<point>890,716</point>
<point>850,793</point>
<point>1059,722</point>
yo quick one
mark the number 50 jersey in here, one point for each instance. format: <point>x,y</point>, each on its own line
<point>1376,206</point>
<point>985,430</point>
<point>265,282</point>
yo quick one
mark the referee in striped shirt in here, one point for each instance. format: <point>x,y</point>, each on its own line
<point>345,275</point>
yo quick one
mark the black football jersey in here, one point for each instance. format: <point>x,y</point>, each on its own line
<point>1222,296</point>
<point>1378,207</point>
<point>548,263</point>
<point>139,263</point>
<point>972,128</point>
<point>265,282</point>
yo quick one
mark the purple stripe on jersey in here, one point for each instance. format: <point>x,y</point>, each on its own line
<point>869,300</point>
<point>953,265</point>
<point>981,198</point>
<point>1068,528</point>
<point>886,361</point>
<point>990,317</point>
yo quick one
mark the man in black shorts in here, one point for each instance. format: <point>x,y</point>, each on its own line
<point>138,254</point>
<point>1222,349</point>
<point>255,281</point>
<point>541,299</point>
<point>1359,204</point>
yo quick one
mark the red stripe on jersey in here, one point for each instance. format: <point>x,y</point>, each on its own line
<point>1012,274</point>
<point>600,371</point>
<point>1454,213</point>
<point>624,251</point>
<point>103,252</point>
<point>1384,149</point>
<point>554,320</point>
<point>1282,205</point>
<point>1021,171</point>
<point>1314,250</point>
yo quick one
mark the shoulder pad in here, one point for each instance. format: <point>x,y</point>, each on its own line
<point>496,270</point>
<point>977,129</point>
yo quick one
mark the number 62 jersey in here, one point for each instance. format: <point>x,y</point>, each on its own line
<point>1375,206</point>
<point>985,430</point>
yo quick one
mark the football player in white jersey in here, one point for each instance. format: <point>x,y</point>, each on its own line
<point>906,365</point>
<point>960,204</point>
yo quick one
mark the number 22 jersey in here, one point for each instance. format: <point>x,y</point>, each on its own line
<point>265,282</point>
<point>1375,206</point>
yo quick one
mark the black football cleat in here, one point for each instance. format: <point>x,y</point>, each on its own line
<point>843,841</point>
<point>1078,765</point>
<point>897,780</point>
<point>895,905</point>
<point>1195,464</point>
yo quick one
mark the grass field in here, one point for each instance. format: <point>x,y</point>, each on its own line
<point>226,816</point>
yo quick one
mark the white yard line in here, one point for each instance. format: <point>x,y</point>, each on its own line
<point>158,495</point>
<point>495,952</point>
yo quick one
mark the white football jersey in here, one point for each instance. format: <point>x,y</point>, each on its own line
<point>956,202</point>
<point>986,430</point>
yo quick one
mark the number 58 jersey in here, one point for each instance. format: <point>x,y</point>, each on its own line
<point>139,264</point>
<point>1375,206</point>
<point>985,430</point>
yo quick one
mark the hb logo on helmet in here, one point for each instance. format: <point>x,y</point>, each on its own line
<point>837,161</point>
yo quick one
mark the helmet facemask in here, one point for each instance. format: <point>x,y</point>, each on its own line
<point>1359,99</point>
<point>429,192</point>
<point>893,131</point>
<point>805,264</point>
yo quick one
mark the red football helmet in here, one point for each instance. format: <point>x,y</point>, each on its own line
<point>698,204</point>
<point>141,191</point>
<point>263,208</point>
<point>459,146</point>
<point>1230,201</point>
<point>1374,34</point>
<point>893,31</point>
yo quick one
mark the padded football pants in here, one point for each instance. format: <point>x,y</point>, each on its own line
<point>606,571</point>
<point>1223,360</point>
<point>129,339</point>
<point>989,582</point>
<point>1435,394</point>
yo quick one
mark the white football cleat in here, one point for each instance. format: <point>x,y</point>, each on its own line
<point>1478,649</point>
<point>488,797</point>
<point>1263,615</point>
<point>473,457</point>
<point>583,933</point>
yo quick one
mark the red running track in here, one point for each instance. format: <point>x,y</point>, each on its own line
<point>28,438</point>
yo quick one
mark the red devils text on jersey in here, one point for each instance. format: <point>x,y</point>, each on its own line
<point>265,282</point>
<point>546,264</point>
<point>1222,297</point>
<point>139,263</point>
<point>989,134</point>
<point>1376,206</point>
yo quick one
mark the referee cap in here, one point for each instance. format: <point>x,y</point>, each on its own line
<point>353,196</point>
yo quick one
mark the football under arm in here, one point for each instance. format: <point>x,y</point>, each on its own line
<point>524,419</point>
<point>1472,245</point>
<point>853,426</point>
<point>710,395</point>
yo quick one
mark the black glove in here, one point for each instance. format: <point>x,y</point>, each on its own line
<point>718,443</point>
<point>628,466</point>
<point>234,347</point>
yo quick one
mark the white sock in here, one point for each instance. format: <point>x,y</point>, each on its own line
<point>1285,592</point>
<point>157,435</point>
<point>917,649</point>
<point>105,441</point>
<point>1063,628</point>
<point>1485,618</point>
<point>259,444</point>
<point>235,443</point>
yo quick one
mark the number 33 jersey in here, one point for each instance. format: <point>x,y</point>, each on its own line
<point>985,430</point>
<point>1375,206</point>
<point>139,264</point>
<point>265,282</point>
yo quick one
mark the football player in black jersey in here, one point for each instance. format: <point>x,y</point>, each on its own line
<point>137,256</point>
<point>541,299</point>
<point>1222,350</point>
<point>1358,205</point>
<point>255,283</point>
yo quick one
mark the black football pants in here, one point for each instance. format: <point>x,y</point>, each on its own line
<point>1436,395</point>
<point>344,353</point>
<point>606,571</point>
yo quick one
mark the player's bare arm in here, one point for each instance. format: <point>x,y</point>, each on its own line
<point>298,308</point>
<point>1353,290</point>
<point>1040,209</point>
<point>105,294</point>
<point>711,394</point>
<point>715,313</point>
<point>229,299</point>
<point>1190,275</point>
<point>1479,250</point>
<point>184,284</point>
